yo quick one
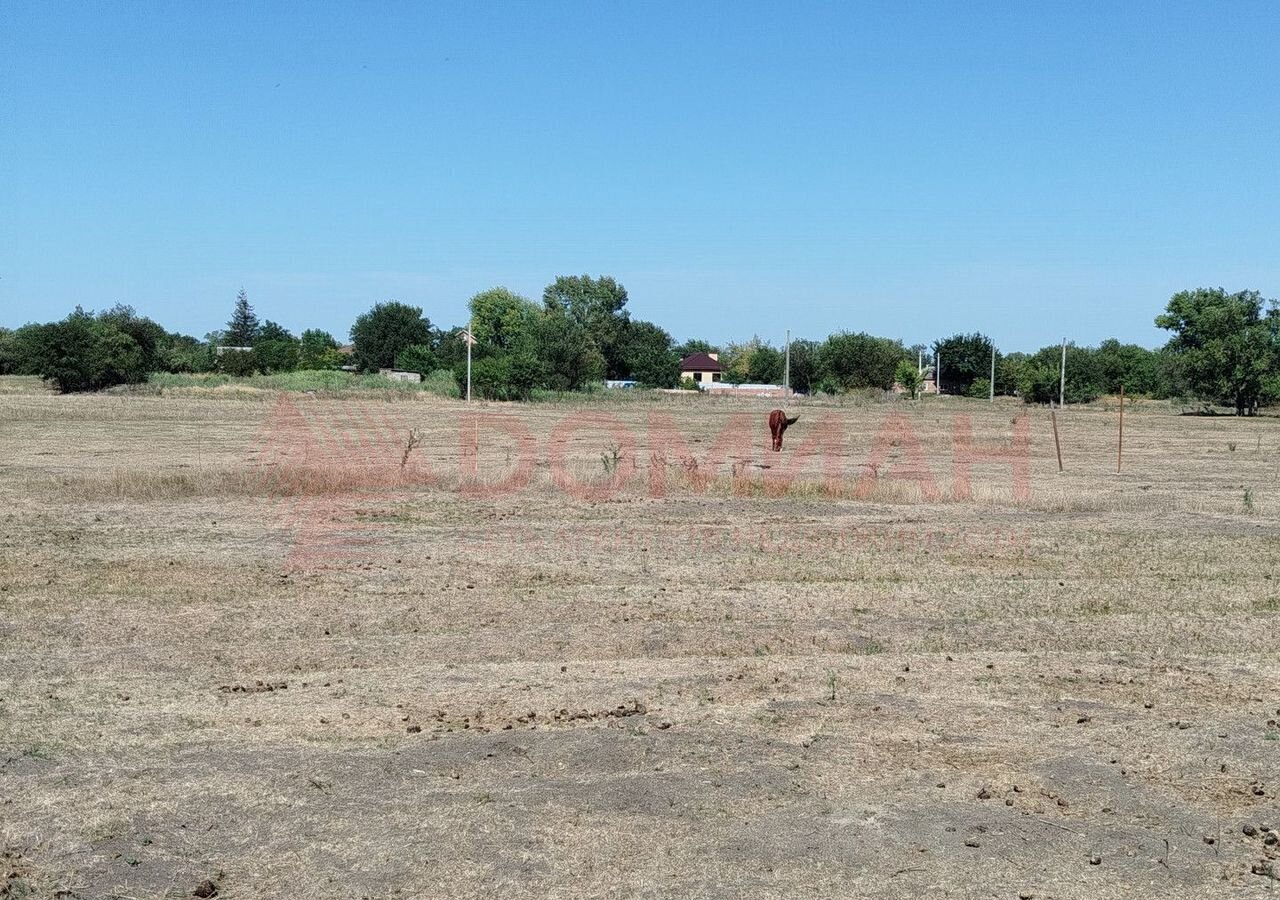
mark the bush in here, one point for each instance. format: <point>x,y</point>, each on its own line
<point>510,376</point>
<point>909,377</point>
<point>853,361</point>
<point>237,363</point>
<point>82,353</point>
<point>318,350</point>
<point>418,358</point>
<point>980,389</point>
<point>275,356</point>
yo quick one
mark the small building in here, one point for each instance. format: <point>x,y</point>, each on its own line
<point>397,375</point>
<point>724,389</point>
<point>703,368</point>
<point>625,383</point>
<point>928,384</point>
<point>218,351</point>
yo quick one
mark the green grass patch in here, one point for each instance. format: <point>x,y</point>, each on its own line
<point>324,381</point>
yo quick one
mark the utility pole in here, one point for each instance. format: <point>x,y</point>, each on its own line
<point>470,339</point>
<point>786,368</point>
<point>993,372</point>
<point>937,372</point>
<point>1062,376</point>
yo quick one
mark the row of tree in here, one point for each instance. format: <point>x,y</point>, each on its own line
<point>1225,349</point>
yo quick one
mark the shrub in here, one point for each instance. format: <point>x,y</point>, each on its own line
<point>980,389</point>
<point>82,353</point>
<point>238,363</point>
<point>908,375</point>
<point>418,358</point>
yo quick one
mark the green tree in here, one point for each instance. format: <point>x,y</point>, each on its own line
<point>570,358</point>
<point>965,358</point>
<point>272,331</point>
<point>1130,365</point>
<point>1227,348</point>
<point>648,355</point>
<point>420,358</point>
<point>276,349</point>
<point>1009,371</point>
<point>1038,377</point>
<point>766,365</point>
<point>18,351</point>
<point>318,350</point>
<point>692,346</point>
<point>509,376</point>
<point>385,330</point>
<point>275,356</point>
<point>183,353</point>
<point>238,363</point>
<point>9,352</point>
<point>451,347</point>
<point>907,374</point>
<point>735,361</point>
<point>853,361</point>
<point>980,389</point>
<point>805,362</point>
<point>84,353</point>
<point>242,329</point>
<point>503,321</point>
<point>150,338</point>
<point>597,304</point>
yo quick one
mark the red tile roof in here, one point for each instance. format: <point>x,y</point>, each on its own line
<point>699,362</point>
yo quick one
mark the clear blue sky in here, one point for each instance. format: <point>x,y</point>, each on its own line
<point>1025,169</point>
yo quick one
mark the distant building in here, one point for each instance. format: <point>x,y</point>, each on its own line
<point>724,389</point>
<point>397,375</point>
<point>218,351</point>
<point>928,384</point>
<point>703,368</point>
<point>621,383</point>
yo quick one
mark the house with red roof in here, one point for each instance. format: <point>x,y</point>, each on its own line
<point>703,368</point>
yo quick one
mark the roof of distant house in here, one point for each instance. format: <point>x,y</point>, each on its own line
<point>699,362</point>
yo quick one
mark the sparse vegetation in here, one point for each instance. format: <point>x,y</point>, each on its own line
<point>228,577</point>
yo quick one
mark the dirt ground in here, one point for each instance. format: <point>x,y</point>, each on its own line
<point>258,645</point>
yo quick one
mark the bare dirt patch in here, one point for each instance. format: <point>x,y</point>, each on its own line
<point>411,681</point>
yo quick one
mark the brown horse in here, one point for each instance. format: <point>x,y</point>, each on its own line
<point>778,423</point>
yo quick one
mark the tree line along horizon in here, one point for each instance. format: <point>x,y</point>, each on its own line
<point>1224,349</point>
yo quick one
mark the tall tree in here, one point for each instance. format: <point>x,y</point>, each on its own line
<point>965,358</point>
<point>272,331</point>
<point>242,330</point>
<point>597,304</point>
<point>318,350</point>
<point>805,362</point>
<point>694,345</point>
<point>1227,347</point>
<point>648,355</point>
<point>766,365</point>
<point>853,361</point>
<point>569,355</point>
<point>1129,365</point>
<point>1039,375</point>
<point>384,331</point>
<point>503,321</point>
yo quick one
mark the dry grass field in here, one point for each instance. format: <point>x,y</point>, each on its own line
<point>250,645</point>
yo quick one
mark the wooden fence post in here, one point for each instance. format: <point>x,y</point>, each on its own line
<point>1053,415</point>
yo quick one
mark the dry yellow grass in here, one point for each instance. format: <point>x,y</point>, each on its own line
<point>240,642</point>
